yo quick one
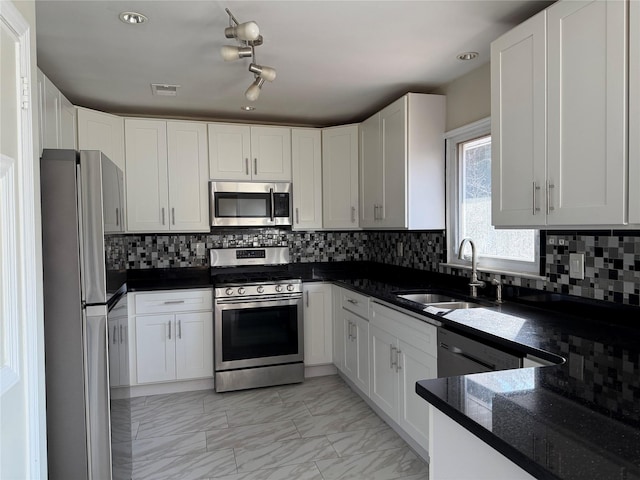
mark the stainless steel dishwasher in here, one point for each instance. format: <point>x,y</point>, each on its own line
<point>461,355</point>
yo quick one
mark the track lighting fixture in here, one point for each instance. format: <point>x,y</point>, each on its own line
<point>248,37</point>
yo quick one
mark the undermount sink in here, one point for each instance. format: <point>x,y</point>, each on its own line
<point>438,300</point>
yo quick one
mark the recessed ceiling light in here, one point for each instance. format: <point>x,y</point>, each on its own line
<point>247,108</point>
<point>133,18</point>
<point>467,56</point>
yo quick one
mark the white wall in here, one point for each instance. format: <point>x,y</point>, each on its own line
<point>468,97</point>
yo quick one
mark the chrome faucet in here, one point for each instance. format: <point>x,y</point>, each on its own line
<point>474,283</point>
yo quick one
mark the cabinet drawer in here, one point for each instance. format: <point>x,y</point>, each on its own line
<point>405,327</point>
<point>354,302</point>
<point>167,301</point>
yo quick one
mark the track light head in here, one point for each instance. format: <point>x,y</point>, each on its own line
<point>268,73</point>
<point>253,92</point>
<point>247,31</point>
<point>230,53</point>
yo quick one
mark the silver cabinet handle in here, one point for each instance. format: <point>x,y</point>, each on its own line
<point>173,215</point>
<point>115,334</point>
<point>246,166</point>
<point>549,187</point>
<point>375,212</point>
<point>163,215</point>
<point>307,298</point>
<point>121,337</point>
<point>255,166</point>
<point>353,214</point>
<point>535,191</point>
<point>117,217</point>
<point>355,331</point>
<point>352,301</point>
<point>173,302</point>
<point>169,322</point>
<point>349,330</point>
<point>391,349</point>
<point>398,353</point>
<point>297,215</point>
<point>180,329</point>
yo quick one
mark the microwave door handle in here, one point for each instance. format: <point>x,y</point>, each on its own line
<point>273,207</point>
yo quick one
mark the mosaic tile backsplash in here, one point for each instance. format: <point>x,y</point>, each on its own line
<point>612,259</point>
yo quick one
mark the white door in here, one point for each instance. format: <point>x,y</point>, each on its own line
<point>22,403</point>
<point>587,45</point>
<point>340,177</point>
<point>155,348</point>
<point>102,131</point>
<point>229,152</point>
<point>306,159</point>
<point>393,129</point>
<point>384,379</point>
<point>413,413</point>
<point>147,175</point>
<point>518,125</point>
<point>317,324</point>
<point>188,172</point>
<point>370,171</point>
<point>271,153</point>
<point>194,345</point>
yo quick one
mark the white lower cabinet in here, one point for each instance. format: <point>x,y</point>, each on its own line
<point>171,342</point>
<point>118,338</point>
<point>317,315</point>
<point>403,350</point>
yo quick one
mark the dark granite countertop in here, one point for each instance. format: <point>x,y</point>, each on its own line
<point>550,423</point>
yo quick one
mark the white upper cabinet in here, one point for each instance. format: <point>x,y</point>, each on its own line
<point>518,124</point>
<point>245,153</point>
<point>102,131</point>
<point>561,160</point>
<point>634,112</point>
<point>57,120</point>
<point>402,165</point>
<point>306,160</point>
<point>340,177</point>
<point>166,176</point>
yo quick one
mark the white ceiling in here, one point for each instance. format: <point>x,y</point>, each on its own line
<point>337,61</point>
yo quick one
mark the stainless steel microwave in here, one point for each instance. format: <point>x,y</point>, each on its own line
<point>249,204</point>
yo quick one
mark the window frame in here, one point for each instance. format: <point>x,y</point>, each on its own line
<point>453,138</point>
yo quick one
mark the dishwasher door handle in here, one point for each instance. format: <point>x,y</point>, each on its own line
<point>462,353</point>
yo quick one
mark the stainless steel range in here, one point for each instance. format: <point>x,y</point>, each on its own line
<point>258,326</point>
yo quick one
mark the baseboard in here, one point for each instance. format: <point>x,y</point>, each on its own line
<point>419,450</point>
<point>161,388</point>
<point>320,370</point>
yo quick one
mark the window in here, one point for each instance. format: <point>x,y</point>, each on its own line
<point>469,200</point>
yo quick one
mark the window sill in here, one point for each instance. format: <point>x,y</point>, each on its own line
<point>530,276</point>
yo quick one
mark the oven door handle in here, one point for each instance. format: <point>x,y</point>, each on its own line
<point>235,301</point>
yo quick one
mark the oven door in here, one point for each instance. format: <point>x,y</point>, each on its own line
<point>255,333</point>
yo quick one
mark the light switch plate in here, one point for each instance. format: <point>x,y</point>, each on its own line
<point>576,266</point>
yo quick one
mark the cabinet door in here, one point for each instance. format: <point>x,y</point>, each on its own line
<point>51,115</point>
<point>518,125</point>
<point>317,324</point>
<point>114,351</point>
<point>229,152</point>
<point>123,350</point>
<point>194,345</point>
<point>155,348</point>
<point>102,131</point>
<point>111,205</point>
<point>147,181</point>
<point>393,130</point>
<point>306,158</point>
<point>413,413</point>
<point>384,378</point>
<point>634,112</point>
<point>271,152</point>
<point>68,126</point>
<point>361,331</point>
<point>339,329</point>
<point>340,177</point>
<point>370,172</point>
<point>586,112</point>
<point>188,172</point>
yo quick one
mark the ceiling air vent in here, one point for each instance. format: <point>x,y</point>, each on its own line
<point>164,90</point>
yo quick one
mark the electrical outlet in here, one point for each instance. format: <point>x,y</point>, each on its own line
<point>576,366</point>
<point>561,241</point>
<point>200,249</point>
<point>552,241</point>
<point>576,266</point>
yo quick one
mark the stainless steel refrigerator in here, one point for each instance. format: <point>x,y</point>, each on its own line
<point>82,200</point>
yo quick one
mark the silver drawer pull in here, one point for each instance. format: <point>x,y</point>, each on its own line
<point>173,302</point>
<point>352,301</point>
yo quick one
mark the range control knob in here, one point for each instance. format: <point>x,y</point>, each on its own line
<point>261,289</point>
<point>241,290</point>
<point>229,291</point>
<point>290,288</point>
<point>279,288</point>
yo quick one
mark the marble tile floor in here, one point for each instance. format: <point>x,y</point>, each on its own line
<point>317,430</point>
